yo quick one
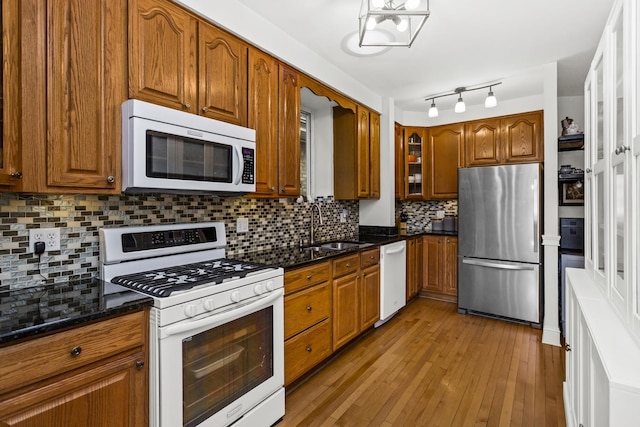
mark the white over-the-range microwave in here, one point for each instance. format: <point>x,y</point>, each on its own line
<point>166,150</point>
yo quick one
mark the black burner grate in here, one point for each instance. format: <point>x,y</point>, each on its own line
<point>162,282</point>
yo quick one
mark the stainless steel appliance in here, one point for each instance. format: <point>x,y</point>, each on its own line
<point>169,150</point>
<point>393,279</point>
<point>217,325</point>
<point>499,236</point>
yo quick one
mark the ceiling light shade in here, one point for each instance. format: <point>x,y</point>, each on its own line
<point>402,19</point>
<point>433,110</point>
<point>491,100</point>
<point>460,107</point>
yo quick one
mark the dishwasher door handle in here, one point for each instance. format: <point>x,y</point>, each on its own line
<point>394,251</point>
<point>498,265</point>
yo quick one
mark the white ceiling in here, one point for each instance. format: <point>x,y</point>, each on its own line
<point>464,43</point>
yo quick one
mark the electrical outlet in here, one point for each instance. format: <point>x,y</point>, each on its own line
<point>242,225</point>
<point>50,237</point>
<point>440,214</point>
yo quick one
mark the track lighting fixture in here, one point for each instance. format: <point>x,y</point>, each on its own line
<point>460,107</point>
<point>402,19</point>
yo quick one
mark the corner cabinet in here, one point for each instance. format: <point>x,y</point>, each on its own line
<point>445,145</point>
<point>399,161</point>
<point>288,132</point>
<point>93,375</point>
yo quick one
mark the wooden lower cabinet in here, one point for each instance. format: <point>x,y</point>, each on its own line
<point>93,375</point>
<point>440,276</point>
<point>414,267</point>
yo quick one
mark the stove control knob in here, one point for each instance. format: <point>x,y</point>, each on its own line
<point>258,289</point>
<point>209,304</point>
<point>190,310</point>
<point>270,285</point>
<point>235,296</point>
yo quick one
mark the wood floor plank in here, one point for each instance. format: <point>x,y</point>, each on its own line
<point>430,366</point>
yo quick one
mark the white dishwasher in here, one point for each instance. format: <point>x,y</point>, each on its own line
<point>393,279</point>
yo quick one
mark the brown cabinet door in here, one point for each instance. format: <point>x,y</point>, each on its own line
<point>86,85</point>
<point>346,310</point>
<point>522,138</point>
<point>450,266</point>
<point>162,54</point>
<point>433,256</point>
<point>370,297</point>
<point>482,142</point>
<point>222,75</point>
<point>289,132</point>
<point>415,140</point>
<point>445,148</point>
<point>419,265</point>
<point>374,156</point>
<point>399,161</point>
<point>113,393</point>
<point>263,115</point>
<point>362,156</point>
<point>411,268</point>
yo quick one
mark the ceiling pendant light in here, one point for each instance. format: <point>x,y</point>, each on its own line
<point>433,110</point>
<point>377,3</point>
<point>460,107</point>
<point>401,24</point>
<point>401,19</point>
<point>491,100</point>
<point>411,4</point>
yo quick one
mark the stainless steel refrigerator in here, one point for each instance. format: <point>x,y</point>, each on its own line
<point>499,235</point>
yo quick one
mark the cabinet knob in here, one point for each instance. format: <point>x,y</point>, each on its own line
<point>187,106</point>
<point>348,265</point>
<point>75,351</point>
<point>282,189</point>
<point>567,347</point>
<point>622,149</point>
<point>140,364</point>
<point>309,349</point>
<point>205,109</point>
<point>273,188</point>
<point>111,179</point>
<point>309,277</point>
<point>309,308</point>
<point>16,175</point>
<point>588,170</point>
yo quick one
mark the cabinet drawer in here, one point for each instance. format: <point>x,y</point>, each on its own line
<point>306,350</point>
<point>345,265</point>
<point>306,308</point>
<point>369,258</point>
<point>40,358</point>
<point>301,278</point>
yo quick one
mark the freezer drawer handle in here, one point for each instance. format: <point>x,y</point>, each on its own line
<point>496,265</point>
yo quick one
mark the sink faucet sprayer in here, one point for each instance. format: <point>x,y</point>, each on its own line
<point>313,226</point>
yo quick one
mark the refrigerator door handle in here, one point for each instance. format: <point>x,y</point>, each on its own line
<point>536,213</point>
<point>497,265</point>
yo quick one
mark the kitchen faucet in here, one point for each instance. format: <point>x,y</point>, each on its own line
<point>313,226</point>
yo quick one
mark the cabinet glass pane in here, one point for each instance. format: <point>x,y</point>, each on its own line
<point>1,98</point>
<point>618,208</point>
<point>600,224</point>
<point>414,164</point>
<point>618,73</point>
<point>599,106</point>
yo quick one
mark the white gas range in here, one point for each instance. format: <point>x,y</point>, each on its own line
<point>217,325</point>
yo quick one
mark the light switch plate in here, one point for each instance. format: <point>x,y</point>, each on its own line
<point>242,225</point>
<point>440,214</point>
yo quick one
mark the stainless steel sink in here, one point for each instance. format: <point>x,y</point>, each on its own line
<point>338,246</point>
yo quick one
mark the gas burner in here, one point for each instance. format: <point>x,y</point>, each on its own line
<point>163,282</point>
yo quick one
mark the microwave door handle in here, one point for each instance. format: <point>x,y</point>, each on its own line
<point>238,153</point>
<point>224,317</point>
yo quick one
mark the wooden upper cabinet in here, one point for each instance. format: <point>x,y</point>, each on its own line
<point>399,161</point>
<point>86,85</point>
<point>362,155</point>
<point>10,129</point>
<point>263,117</point>
<point>289,132</point>
<point>522,138</point>
<point>222,75</point>
<point>415,159</point>
<point>445,155</point>
<point>482,142</point>
<point>374,155</point>
<point>162,54</point>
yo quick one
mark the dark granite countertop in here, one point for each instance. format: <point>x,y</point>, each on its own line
<point>27,312</point>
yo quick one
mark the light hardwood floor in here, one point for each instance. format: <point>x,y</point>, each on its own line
<point>430,366</point>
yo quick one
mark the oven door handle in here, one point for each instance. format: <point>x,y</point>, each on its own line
<point>221,318</point>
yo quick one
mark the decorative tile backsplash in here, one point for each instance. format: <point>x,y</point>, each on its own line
<point>272,223</point>
<point>422,212</point>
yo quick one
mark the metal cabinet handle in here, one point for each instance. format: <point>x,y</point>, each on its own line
<point>111,179</point>
<point>588,170</point>
<point>140,364</point>
<point>309,349</point>
<point>621,149</point>
<point>16,175</point>
<point>75,351</point>
<point>567,347</point>
<point>309,308</point>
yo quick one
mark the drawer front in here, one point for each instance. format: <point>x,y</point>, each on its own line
<point>306,350</point>
<point>306,308</point>
<point>369,258</point>
<point>40,358</point>
<point>301,278</point>
<point>345,265</point>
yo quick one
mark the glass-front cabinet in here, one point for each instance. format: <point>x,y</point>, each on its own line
<point>415,140</point>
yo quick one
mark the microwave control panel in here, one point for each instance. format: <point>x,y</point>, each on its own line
<point>248,159</point>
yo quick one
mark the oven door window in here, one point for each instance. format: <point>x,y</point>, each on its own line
<point>222,364</point>
<point>176,157</point>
